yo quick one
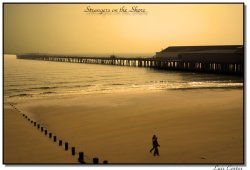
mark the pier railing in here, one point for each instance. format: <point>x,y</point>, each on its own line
<point>209,66</point>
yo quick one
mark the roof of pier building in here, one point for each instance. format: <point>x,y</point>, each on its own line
<point>205,49</point>
<point>223,54</point>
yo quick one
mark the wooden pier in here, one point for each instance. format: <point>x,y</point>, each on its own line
<point>235,67</point>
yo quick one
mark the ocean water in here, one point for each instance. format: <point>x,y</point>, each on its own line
<point>31,78</point>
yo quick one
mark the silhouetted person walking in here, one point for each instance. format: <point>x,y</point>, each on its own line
<point>155,146</point>
<point>156,150</point>
<point>153,138</point>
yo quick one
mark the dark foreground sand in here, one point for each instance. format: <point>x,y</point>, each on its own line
<point>193,126</point>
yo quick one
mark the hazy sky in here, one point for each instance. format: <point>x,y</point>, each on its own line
<point>58,28</point>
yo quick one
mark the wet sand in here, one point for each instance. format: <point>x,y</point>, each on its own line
<point>193,126</point>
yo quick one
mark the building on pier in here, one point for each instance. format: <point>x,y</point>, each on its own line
<point>219,53</point>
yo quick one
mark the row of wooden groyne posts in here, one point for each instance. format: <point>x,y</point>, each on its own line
<point>81,155</point>
<point>157,63</point>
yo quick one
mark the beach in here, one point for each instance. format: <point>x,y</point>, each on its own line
<point>192,126</point>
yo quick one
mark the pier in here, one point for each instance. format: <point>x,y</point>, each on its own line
<point>183,63</point>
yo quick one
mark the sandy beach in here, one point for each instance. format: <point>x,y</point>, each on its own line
<point>24,143</point>
<point>199,126</point>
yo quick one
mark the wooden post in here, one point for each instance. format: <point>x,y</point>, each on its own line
<point>60,142</point>
<point>45,132</point>
<point>81,157</point>
<point>66,146</point>
<point>31,121</point>
<point>50,135</point>
<point>54,138</point>
<point>42,129</point>
<point>95,160</point>
<point>73,150</point>
<point>34,123</point>
<point>38,126</point>
<point>105,162</point>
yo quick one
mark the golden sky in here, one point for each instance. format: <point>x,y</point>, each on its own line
<point>66,28</point>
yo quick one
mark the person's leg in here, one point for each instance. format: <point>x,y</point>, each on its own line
<point>157,152</point>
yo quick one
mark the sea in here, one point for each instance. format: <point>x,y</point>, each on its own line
<point>33,78</point>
